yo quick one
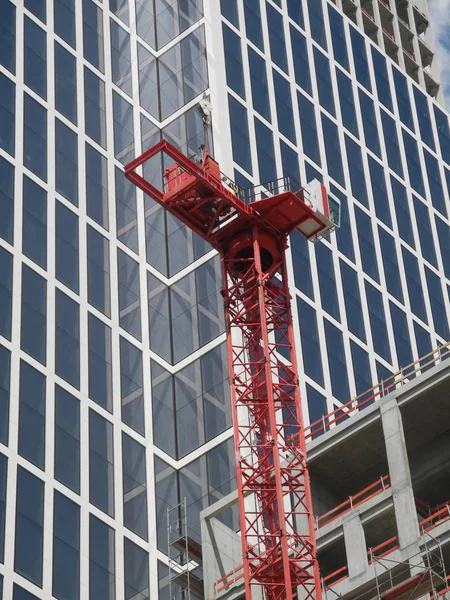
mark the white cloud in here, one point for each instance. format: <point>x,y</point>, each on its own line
<point>440,20</point>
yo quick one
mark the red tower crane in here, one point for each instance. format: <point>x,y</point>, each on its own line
<point>276,520</point>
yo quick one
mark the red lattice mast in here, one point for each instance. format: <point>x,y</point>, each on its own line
<point>278,540</point>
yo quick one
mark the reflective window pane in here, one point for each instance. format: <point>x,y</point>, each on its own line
<point>35,57</point>
<point>67,339</point>
<point>34,233</point>
<point>360,58</point>
<point>33,337</point>
<point>7,114</point>
<point>3,484</point>
<point>66,159</point>
<point>301,60</point>
<point>129,294</point>
<point>37,7</point>
<point>338,37</point>
<point>403,99</point>
<point>65,83</point>
<point>323,77</point>
<point>28,550</point>
<point>8,35</point>
<point>66,548</point>
<point>337,362</point>
<point>308,128</point>
<point>378,322</point>
<point>276,37</point>
<point>35,137</point>
<point>316,22</point>
<point>134,486</point>
<point>101,463</point>
<point>401,336</point>
<point>99,292</point>
<point>67,439</point>
<point>93,34</point>
<point>352,299</point>
<point>121,57</point>
<point>95,107</point>
<point>131,378</point>
<point>21,594</point>
<point>126,211</point>
<point>327,280</point>
<point>64,20</point>
<point>6,284</point>
<point>101,560</point>
<point>5,369</point>
<point>310,343</point>
<point>100,363</point>
<point>123,129</point>
<point>233,61</point>
<point>67,247</point>
<point>239,135</point>
<point>252,14</point>
<point>356,168</point>
<point>382,78</point>
<point>32,415</point>
<point>283,99</point>
<point>136,572</point>
<point>6,200</point>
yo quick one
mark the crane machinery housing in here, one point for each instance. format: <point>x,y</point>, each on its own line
<point>276,520</point>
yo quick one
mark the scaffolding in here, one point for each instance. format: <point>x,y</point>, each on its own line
<point>185,556</point>
<point>423,574</point>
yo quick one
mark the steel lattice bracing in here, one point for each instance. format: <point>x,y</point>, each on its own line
<point>268,437</point>
<point>276,521</point>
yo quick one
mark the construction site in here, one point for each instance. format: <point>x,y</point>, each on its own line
<point>224,301</point>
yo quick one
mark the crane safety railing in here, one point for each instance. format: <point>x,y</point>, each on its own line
<point>377,391</point>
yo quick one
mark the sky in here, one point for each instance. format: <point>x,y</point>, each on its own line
<point>440,20</point>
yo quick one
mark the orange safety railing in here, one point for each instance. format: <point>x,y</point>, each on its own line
<point>443,514</point>
<point>444,589</point>
<point>422,508</point>
<point>377,391</point>
<point>224,582</point>
<point>335,577</point>
<point>366,494</point>
<point>379,551</point>
<point>383,549</point>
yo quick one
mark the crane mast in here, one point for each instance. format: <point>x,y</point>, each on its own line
<point>275,507</point>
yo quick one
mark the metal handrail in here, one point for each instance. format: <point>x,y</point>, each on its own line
<point>354,501</point>
<point>434,519</point>
<point>378,390</point>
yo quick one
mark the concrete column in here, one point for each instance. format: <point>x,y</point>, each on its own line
<point>355,545</point>
<point>402,491</point>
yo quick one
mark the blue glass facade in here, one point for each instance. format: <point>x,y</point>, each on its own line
<point>377,293</point>
<point>114,401</point>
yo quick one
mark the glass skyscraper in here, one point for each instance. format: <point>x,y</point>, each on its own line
<point>114,398</point>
